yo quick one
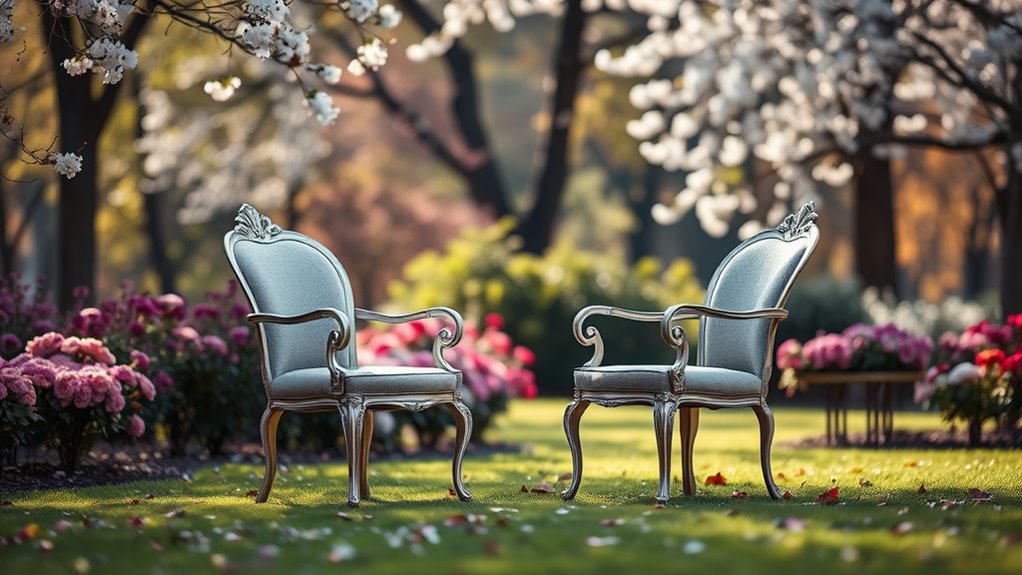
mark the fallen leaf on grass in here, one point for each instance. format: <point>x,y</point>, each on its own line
<point>174,514</point>
<point>150,496</point>
<point>612,522</point>
<point>543,488</point>
<point>659,505</point>
<point>452,493</point>
<point>717,479</point>
<point>524,489</point>
<point>739,495</point>
<point>133,502</point>
<point>781,477</point>
<point>155,545</point>
<point>136,522</point>
<point>912,464</point>
<point>45,546</point>
<point>6,503</point>
<point>922,489</point>
<point>564,477</point>
<point>863,482</point>
<point>902,528</point>
<point>30,531</point>
<point>345,516</point>
<point>856,470</point>
<point>787,495</point>
<point>251,493</point>
<point>492,548</point>
<point>829,497</point>
<point>979,496</point>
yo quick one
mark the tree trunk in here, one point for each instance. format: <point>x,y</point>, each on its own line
<point>153,204</point>
<point>641,240</point>
<point>875,239</point>
<point>1010,204</point>
<point>537,229</point>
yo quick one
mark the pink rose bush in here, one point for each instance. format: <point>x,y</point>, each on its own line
<point>977,376</point>
<point>493,368</point>
<point>861,347</point>
<point>74,389</point>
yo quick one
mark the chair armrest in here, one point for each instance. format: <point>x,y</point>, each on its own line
<point>336,341</point>
<point>444,339</point>
<point>673,335</point>
<point>691,311</point>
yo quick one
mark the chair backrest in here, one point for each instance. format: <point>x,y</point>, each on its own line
<point>287,273</point>
<point>755,275</point>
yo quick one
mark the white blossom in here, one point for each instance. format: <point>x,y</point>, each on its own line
<point>329,74</point>
<point>321,106</point>
<point>111,58</point>
<point>77,65</point>
<point>361,10</point>
<point>222,90</point>
<point>390,17</point>
<point>373,54</point>
<point>355,68</point>
<point>67,164</point>
<point>267,10</point>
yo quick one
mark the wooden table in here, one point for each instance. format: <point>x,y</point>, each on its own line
<point>879,409</point>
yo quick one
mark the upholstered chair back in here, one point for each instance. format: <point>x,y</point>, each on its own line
<point>757,274</point>
<point>288,273</point>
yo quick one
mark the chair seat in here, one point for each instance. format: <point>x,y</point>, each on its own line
<point>364,380</point>
<point>716,381</point>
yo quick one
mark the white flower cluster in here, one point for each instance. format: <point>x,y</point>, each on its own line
<point>221,90</point>
<point>266,32</point>
<point>104,56</point>
<point>321,106</point>
<point>801,86</point>
<point>329,74</point>
<point>458,15</point>
<point>373,54</point>
<point>362,10</point>
<point>67,164</point>
<point>6,21</point>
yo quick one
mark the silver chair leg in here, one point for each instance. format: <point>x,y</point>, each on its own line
<point>367,440</point>
<point>572,417</point>
<point>663,425</point>
<point>268,433</point>
<point>352,421</point>
<point>688,425</point>
<point>766,438</point>
<point>463,427</point>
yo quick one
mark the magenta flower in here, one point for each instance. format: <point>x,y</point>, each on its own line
<point>87,350</point>
<point>9,343</point>
<point>789,355</point>
<point>216,344</point>
<point>239,336</point>
<point>163,381</point>
<point>205,311</point>
<point>139,360</point>
<point>136,426</point>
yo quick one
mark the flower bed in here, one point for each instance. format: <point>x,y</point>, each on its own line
<point>860,347</point>
<point>977,376</point>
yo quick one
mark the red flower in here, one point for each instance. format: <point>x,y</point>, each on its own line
<point>990,357</point>
<point>494,320</point>
<point>524,355</point>
<point>1014,320</point>
<point>1014,363</point>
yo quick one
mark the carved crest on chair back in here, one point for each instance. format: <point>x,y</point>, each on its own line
<point>252,224</point>
<point>798,223</point>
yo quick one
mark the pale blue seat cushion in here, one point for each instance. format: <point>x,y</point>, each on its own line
<point>364,380</point>
<point>716,381</point>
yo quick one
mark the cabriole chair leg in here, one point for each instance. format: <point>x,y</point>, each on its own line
<point>463,427</point>
<point>572,417</point>
<point>766,438</point>
<point>353,421</point>
<point>367,440</point>
<point>663,425</point>
<point>688,426</point>
<point>268,433</point>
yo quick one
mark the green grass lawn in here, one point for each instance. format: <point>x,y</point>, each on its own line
<point>882,523</point>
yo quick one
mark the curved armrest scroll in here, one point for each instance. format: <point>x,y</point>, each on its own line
<point>444,339</point>
<point>673,335</point>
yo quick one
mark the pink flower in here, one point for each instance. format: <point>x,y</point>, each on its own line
<point>45,345</point>
<point>40,371</point>
<point>186,333</point>
<point>494,320</point>
<point>524,355</point>
<point>239,336</point>
<point>145,386</point>
<point>3,391</point>
<point>83,396</point>
<point>205,311</point>
<point>115,403</point>
<point>163,381</point>
<point>139,359</point>
<point>10,343</point>
<point>65,386</point>
<point>87,350</point>
<point>136,426</point>
<point>216,344</point>
<point>499,341</point>
<point>172,306</point>
<point>789,355</point>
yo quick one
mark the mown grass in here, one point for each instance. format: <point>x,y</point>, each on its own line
<point>881,525</point>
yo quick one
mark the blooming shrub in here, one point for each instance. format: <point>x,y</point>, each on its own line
<point>977,376</point>
<point>860,347</point>
<point>78,391</point>
<point>203,360</point>
<point>493,369</point>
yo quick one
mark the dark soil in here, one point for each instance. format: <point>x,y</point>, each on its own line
<point>934,439</point>
<point>110,465</point>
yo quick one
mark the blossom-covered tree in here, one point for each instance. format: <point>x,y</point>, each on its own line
<point>91,45</point>
<point>809,92</point>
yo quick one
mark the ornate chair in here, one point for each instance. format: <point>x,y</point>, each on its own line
<point>305,322</point>
<point>737,324</point>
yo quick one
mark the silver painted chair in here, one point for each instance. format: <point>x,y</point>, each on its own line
<point>737,324</point>
<point>305,323</point>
